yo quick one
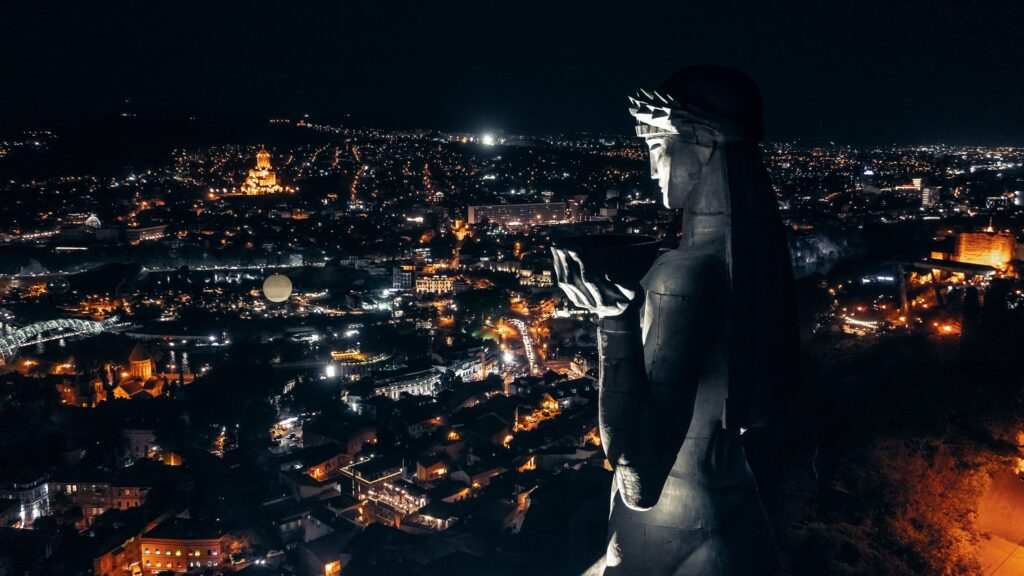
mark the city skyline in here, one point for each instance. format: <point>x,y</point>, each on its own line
<point>328,288</point>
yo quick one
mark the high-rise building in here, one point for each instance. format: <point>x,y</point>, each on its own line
<point>575,209</point>
<point>519,215</point>
<point>989,248</point>
<point>929,197</point>
<point>403,277</point>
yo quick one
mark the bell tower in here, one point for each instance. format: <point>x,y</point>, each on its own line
<point>263,159</point>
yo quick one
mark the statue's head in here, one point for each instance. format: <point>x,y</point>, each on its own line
<point>688,117</point>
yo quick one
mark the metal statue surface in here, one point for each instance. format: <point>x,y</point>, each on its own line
<point>698,351</point>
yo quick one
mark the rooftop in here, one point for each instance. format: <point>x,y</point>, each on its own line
<point>185,529</point>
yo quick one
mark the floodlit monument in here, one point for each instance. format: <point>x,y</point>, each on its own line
<point>262,179</point>
<point>988,248</point>
<point>700,350</point>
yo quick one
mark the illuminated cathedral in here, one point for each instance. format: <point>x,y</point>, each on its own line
<point>262,179</point>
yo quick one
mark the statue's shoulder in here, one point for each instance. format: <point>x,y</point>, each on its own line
<point>680,273</point>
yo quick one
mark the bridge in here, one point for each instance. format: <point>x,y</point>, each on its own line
<point>52,330</point>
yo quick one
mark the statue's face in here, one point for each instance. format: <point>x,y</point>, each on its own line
<point>677,165</point>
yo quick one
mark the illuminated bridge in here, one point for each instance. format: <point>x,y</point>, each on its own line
<point>51,330</point>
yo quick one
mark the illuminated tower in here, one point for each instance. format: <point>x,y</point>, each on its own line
<point>262,179</point>
<point>263,159</point>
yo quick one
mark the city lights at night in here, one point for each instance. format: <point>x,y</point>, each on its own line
<point>555,288</point>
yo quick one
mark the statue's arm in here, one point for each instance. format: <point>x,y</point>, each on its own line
<point>645,414</point>
<point>623,407</point>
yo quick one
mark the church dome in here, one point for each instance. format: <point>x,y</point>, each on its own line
<point>263,159</point>
<point>142,353</point>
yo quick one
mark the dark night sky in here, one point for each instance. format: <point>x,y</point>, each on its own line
<point>857,72</point>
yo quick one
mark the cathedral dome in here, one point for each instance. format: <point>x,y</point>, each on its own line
<point>263,159</point>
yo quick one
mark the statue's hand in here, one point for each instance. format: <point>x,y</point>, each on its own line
<point>637,490</point>
<point>587,290</point>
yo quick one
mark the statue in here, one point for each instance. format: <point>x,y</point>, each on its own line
<point>702,348</point>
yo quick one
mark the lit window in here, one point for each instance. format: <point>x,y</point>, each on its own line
<point>177,552</point>
<point>147,550</point>
<point>156,551</point>
<point>168,551</point>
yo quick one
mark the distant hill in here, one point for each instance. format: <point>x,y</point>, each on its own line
<point>120,145</point>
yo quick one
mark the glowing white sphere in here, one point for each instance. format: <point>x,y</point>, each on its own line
<point>277,288</point>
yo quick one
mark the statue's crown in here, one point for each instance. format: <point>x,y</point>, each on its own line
<point>658,112</point>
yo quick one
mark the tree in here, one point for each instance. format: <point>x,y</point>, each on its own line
<point>449,381</point>
<point>477,306</point>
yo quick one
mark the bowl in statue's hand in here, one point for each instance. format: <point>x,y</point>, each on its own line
<point>621,258</point>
